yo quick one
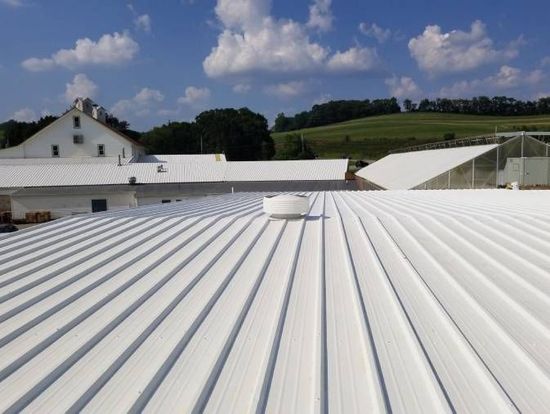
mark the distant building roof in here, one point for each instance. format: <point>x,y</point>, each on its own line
<point>367,305</point>
<point>189,171</point>
<point>404,171</point>
<point>107,174</point>
<point>300,170</point>
<point>178,158</point>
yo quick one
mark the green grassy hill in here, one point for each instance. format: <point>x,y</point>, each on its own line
<point>373,137</point>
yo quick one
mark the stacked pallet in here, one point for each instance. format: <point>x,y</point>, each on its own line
<point>37,216</point>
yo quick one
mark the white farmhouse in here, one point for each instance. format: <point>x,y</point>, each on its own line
<point>79,133</point>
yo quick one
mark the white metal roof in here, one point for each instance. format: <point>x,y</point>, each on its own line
<point>51,175</point>
<point>417,302</point>
<point>179,158</point>
<point>300,170</point>
<point>101,174</point>
<point>404,171</point>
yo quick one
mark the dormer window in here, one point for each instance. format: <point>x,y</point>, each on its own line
<point>55,150</point>
<point>100,150</point>
<point>76,122</point>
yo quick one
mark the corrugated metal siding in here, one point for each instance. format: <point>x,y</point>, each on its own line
<point>404,171</point>
<point>431,301</point>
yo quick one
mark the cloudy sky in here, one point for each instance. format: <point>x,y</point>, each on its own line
<point>154,61</point>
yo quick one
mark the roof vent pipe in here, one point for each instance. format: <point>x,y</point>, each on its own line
<point>286,206</point>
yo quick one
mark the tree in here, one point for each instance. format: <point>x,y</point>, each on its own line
<point>407,105</point>
<point>295,148</point>
<point>173,138</point>
<point>116,123</point>
<point>240,133</point>
<point>282,123</point>
<point>17,132</point>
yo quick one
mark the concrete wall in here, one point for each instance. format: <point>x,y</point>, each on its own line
<point>61,133</point>
<point>65,205</point>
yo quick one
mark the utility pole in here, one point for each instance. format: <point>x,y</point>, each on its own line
<point>201,142</point>
<point>302,141</point>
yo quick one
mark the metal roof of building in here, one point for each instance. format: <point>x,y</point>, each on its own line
<point>102,174</point>
<point>404,171</point>
<point>300,170</point>
<point>418,302</point>
<point>53,175</point>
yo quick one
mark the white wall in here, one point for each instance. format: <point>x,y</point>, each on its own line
<point>61,133</point>
<point>66,205</point>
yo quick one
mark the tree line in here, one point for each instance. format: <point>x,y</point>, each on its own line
<point>335,111</point>
<point>238,133</point>
<point>245,135</point>
<point>481,105</point>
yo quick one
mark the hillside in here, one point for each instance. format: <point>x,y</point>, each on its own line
<point>373,137</point>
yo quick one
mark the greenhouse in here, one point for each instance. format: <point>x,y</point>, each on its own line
<point>460,164</point>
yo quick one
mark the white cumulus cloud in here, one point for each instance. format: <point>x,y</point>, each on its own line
<point>286,89</point>
<point>320,15</point>
<point>109,50</point>
<point>242,88</point>
<point>403,87</point>
<point>355,59</point>
<point>457,51</point>
<point>24,115</point>
<point>505,79</point>
<point>143,22</point>
<point>376,32</point>
<point>195,96</point>
<point>80,87</point>
<point>140,105</point>
<point>253,42</point>
<point>13,3</point>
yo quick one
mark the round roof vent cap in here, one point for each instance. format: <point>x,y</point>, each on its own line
<point>286,206</point>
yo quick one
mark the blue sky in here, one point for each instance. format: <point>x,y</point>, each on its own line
<point>154,61</point>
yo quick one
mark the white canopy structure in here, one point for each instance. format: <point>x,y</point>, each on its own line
<point>459,167</point>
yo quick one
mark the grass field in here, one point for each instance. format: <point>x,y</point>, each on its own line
<point>373,137</point>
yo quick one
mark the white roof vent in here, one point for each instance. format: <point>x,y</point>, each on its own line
<point>286,206</point>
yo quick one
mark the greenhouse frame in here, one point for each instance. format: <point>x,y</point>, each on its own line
<point>460,164</point>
